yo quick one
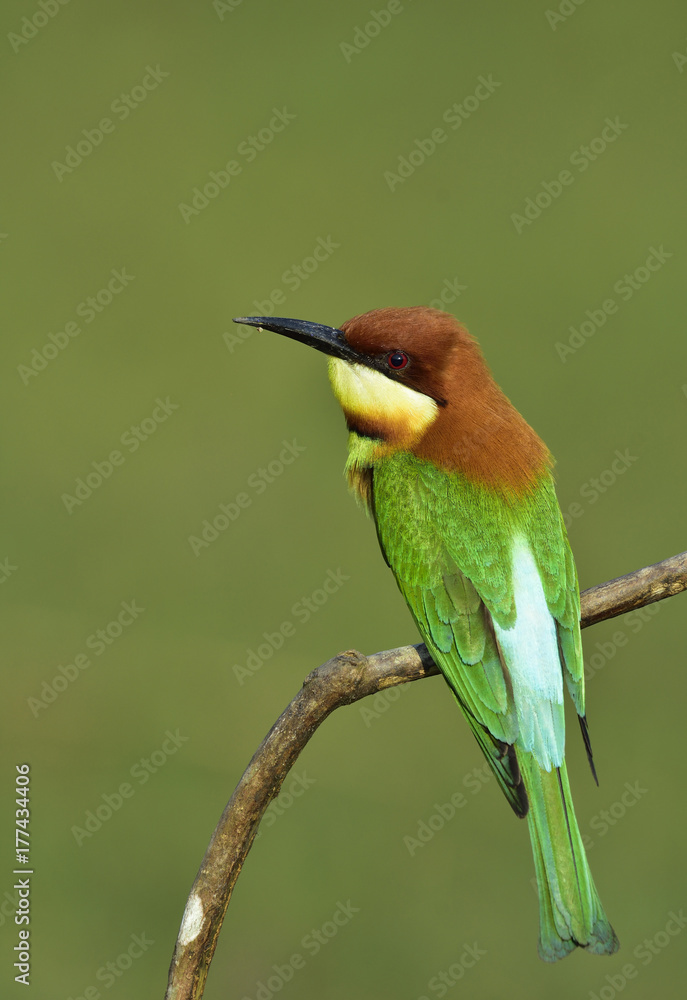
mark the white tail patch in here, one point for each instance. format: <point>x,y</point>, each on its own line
<point>369,394</point>
<point>530,651</point>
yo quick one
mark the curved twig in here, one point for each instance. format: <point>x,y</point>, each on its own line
<point>342,680</point>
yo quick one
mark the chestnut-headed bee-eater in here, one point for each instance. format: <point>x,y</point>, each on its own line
<point>461,491</point>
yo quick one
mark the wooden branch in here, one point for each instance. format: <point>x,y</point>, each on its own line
<point>635,590</point>
<point>343,680</point>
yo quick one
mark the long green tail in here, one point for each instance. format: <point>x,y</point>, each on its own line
<point>570,912</point>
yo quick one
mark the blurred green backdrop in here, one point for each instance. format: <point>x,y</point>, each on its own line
<point>336,99</point>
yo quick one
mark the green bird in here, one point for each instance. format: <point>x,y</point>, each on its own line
<point>461,491</point>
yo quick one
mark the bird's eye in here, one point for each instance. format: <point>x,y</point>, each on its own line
<point>397,360</point>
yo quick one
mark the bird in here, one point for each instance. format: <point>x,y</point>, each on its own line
<point>462,494</point>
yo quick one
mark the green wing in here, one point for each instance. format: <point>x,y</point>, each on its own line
<point>449,545</point>
<point>453,621</point>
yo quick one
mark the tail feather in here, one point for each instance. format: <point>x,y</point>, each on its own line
<point>570,912</point>
<point>584,727</point>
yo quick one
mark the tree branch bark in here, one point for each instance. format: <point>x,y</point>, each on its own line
<point>342,680</point>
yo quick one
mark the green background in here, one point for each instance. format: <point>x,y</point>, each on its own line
<point>374,776</point>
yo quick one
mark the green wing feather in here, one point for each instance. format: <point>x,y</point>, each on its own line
<point>452,617</point>
<point>453,572</point>
<point>449,544</point>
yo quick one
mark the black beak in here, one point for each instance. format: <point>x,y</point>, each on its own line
<point>328,339</point>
